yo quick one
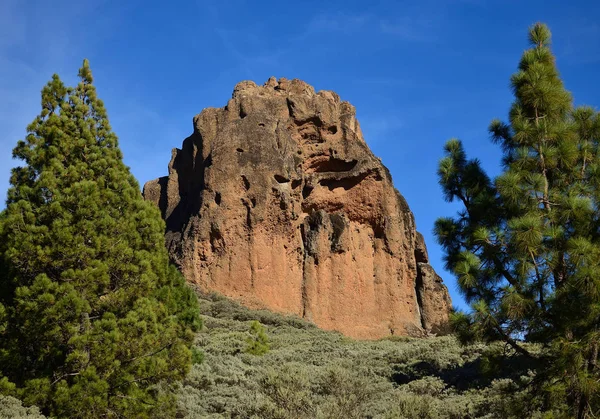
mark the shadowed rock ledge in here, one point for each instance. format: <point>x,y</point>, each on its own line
<point>276,201</point>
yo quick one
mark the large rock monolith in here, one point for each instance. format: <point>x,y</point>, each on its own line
<point>276,201</point>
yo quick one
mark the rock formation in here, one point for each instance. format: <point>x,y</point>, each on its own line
<point>276,201</point>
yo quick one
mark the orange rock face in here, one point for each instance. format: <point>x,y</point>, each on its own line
<point>276,201</point>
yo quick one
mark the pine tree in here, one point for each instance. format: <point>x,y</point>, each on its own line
<point>94,321</point>
<point>526,246</point>
<point>258,342</point>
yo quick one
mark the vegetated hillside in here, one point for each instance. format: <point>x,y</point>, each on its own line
<point>311,373</point>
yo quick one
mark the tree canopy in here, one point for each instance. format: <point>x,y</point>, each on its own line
<point>525,247</point>
<point>94,321</point>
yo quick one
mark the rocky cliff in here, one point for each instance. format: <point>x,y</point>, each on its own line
<point>276,201</point>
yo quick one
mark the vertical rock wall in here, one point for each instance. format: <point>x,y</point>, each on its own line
<point>276,201</point>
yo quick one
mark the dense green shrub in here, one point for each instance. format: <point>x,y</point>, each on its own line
<point>258,342</point>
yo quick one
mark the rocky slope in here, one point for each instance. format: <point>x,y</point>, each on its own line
<point>276,201</point>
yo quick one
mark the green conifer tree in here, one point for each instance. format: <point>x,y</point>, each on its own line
<point>526,246</point>
<point>258,342</point>
<point>93,318</point>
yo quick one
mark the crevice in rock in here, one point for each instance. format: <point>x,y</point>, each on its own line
<point>346,183</point>
<point>310,135</point>
<point>249,217</point>
<point>309,230</point>
<point>239,150</point>
<point>217,243</point>
<point>277,139</point>
<point>420,249</point>
<point>306,191</point>
<point>303,234</point>
<point>290,107</point>
<point>418,293</point>
<point>281,179</point>
<point>339,225</point>
<point>315,120</point>
<point>218,198</point>
<point>245,182</point>
<point>296,183</point>
<point>248,205</point>
<point>378,231</point>
<point>162,199</point>
<point>208,161</point>
<point>330,207</point>
<point>331,165</point>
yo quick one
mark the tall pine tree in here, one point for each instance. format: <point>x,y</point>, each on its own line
<point>526,246</point>
<point>94,321</point>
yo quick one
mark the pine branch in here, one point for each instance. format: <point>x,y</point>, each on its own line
<point>149,354</point>
<point>72,374</point>
<point>540,282</point>
<point>511,280</point>
<point>512,342</point>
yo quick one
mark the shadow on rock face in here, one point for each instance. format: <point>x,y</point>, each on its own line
<point>276,201</point>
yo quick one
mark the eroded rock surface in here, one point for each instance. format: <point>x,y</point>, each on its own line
<point>276,201</point>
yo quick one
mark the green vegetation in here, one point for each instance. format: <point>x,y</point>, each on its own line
<point>258,342</point>
<point>312,373</point>
<point>11,408</point>
<point>94,321</point>
<point>526,246</point>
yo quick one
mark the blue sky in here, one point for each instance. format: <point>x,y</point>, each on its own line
<point>418,73</point>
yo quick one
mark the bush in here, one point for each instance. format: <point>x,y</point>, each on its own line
<point>11,408</point>
<point>311,373</point>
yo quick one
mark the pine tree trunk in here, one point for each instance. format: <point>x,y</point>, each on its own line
<point>591,364</point>
<point>582,412</point>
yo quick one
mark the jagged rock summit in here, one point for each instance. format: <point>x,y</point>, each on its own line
<point>276,201</point>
